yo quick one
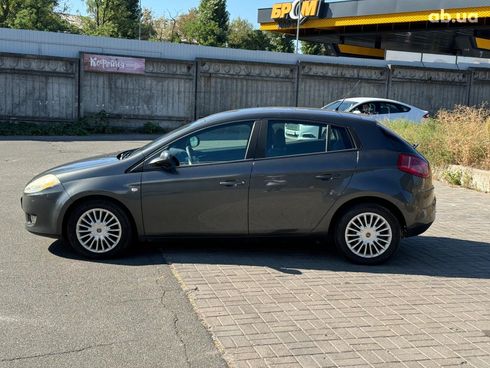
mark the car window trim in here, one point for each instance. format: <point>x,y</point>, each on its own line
<point>264,132</point>
<point>144,166</point>
<point>306,154</point>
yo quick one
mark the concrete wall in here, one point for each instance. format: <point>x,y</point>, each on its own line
<point>430,89</point>
<point>164,94</point>
<point>480,87</point>
<point>227,85</point>
<point>173,92</point>
<point>38,88</point>
<point>320,84</point>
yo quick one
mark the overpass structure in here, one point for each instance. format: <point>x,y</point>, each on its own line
<point>367,28</point>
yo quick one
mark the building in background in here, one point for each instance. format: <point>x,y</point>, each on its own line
<point>369,28</point>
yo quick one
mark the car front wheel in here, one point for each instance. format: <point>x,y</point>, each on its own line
<point>98,229</point>
<point>368,234</point>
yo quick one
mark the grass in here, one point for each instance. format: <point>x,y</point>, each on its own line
<point>95,124</point>
<point>456,137</point>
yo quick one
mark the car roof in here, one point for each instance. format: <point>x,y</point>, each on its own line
<point>368,99</point>
<point>299,113</point>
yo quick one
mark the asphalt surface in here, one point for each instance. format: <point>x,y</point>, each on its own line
<point>57,310</point>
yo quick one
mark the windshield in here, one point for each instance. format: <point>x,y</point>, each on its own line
<point>154,144</point>
<point>340,105</point>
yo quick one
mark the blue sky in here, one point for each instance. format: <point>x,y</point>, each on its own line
<point>238,8</point>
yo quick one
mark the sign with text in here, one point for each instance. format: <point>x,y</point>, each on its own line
<point>113,64</point>
<point>291,11</point>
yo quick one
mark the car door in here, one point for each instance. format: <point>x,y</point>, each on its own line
<point>207,193</point>
<point>295,181</point>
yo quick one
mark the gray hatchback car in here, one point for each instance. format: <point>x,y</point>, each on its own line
<point>244,173</point>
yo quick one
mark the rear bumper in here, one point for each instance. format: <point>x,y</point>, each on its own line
<point>423,220</point>
<point>417,230</point>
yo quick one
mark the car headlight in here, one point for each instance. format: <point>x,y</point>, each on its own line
<point>42,183</point>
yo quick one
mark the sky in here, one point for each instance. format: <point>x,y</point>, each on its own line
<point>238,8</point>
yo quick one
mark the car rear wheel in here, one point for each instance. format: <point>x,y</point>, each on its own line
<point>99,229</point>
<point>368,234</point>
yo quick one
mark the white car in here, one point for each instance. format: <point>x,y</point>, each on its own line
<point>379,109</point>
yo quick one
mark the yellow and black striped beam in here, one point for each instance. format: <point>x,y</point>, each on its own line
<point>388,18</point>
<point>368,27</point>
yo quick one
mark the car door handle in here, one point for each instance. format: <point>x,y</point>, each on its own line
<point>275,183</point>
<point>324,177</point>
<point>232,183</point>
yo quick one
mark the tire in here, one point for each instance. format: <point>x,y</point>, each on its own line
<point>367,234</point>
<point>99,229</point>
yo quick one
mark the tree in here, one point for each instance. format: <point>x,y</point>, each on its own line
<point>42,15</point>
<point>113,18</point>
<point>186,25</point>
<point>313,48</point>
<point>281,43</point>
<point>175,28</point>
<point>243,36</point>
<point>147,25</point>
<point>211,27</point>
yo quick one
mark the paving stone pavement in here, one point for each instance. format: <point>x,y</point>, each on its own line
<point>298,303</point>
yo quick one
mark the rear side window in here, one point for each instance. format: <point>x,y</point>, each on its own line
<point>394,108</point>
<point>291,138</point>
<point>402,108</point>
<point>339,139</point>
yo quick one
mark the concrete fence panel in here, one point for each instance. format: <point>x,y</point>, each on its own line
<point>162,93</point>
<point>480,87</point>
<point>37,88</point>
<point>320,84</point>
<point>227,85</point>
<point>429,89</point>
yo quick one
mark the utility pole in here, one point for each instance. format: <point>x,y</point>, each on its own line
<point>139,23</point>
<point>300,5</point>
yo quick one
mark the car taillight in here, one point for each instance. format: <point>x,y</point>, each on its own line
<point>426,116</point>
<point>413,165</point>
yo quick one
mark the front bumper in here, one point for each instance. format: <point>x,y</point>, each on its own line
<point>42,211</point>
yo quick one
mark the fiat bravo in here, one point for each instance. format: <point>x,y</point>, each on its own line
<point>238,173</point>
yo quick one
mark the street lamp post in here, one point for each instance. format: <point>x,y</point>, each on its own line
<point>300,5</point>
<point>139,23</point>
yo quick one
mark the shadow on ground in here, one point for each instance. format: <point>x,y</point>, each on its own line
<point>425,255</point>
<point>85,138</point>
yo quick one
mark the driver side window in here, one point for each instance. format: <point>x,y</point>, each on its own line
<point>219,144</point>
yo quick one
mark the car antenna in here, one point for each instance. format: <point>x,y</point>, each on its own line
<point>347,95</point>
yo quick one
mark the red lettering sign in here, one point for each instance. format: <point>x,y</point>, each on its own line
<point>113,64</point>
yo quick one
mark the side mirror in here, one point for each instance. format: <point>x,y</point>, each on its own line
<point>166,161</point>
<point>194,141</point>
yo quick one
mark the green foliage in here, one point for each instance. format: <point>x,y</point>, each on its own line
<point>151,128</point>
<point>112,18</point>
<point>429,138</point>
<point>39,15</point>
<point>457,177</point>
<point>242,35</point>
<point>280,43</point>
<point>94,124</point>
<point>457,137</point>
<point>313,48</point>
<point>90,125</point>
<point>454,177</point>
<point>211,25</point>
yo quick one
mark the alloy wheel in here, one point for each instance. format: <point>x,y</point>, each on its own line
<point>368,235</point>
<point>98,230</point>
